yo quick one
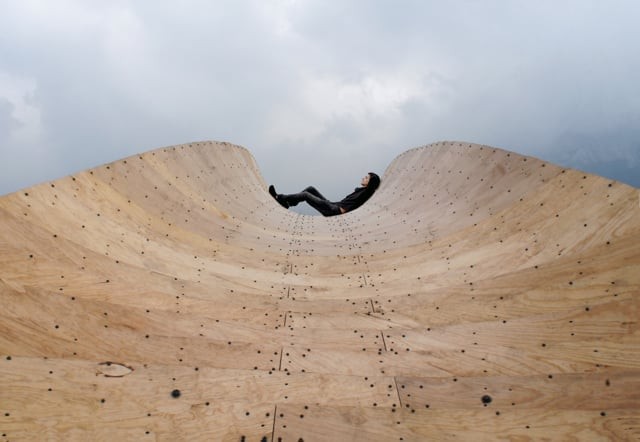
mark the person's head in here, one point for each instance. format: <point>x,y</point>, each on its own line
<point>371,181</point>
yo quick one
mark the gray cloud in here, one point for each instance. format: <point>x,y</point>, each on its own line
<point>7,121</point>
<point>321,92</point>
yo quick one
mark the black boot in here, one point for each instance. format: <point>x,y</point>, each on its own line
<point>278,198</point>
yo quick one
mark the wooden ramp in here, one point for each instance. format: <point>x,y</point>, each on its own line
<point>479,295</point>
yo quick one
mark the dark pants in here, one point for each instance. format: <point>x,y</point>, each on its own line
<point>315,199</point>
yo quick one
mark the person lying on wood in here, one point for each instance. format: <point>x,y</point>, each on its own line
<point>315,199</point>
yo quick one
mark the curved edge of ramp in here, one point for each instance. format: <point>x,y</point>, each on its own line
<point>479,294</point>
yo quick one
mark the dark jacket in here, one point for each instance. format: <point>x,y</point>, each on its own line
<point>355,199</point>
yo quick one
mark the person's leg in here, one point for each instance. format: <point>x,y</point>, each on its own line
<point>312,190</point>
<point>324,206</point>
<point>294,201</point>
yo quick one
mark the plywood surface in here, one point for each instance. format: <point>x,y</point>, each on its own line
<point>479,295</point>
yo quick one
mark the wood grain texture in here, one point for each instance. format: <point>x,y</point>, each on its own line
<point>478,295</point>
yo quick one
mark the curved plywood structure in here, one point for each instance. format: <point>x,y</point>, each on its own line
<point>478,295</point>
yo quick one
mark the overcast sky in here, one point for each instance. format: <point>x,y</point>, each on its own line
<point>320,91</point>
